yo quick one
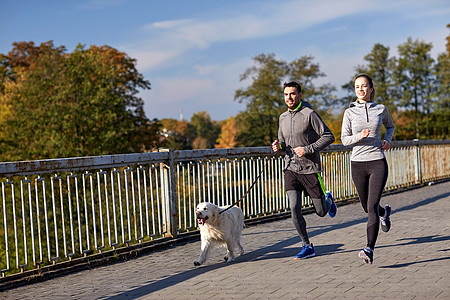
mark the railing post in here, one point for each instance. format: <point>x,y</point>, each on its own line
<point>418,162</point>
<point>168,195</point>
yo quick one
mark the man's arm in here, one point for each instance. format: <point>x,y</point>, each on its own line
<point>326,137</point>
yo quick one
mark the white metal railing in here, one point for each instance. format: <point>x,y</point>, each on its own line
<point>59,209</point>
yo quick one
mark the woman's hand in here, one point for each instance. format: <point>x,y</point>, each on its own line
<point>364,133</point>
<point>385,145</point>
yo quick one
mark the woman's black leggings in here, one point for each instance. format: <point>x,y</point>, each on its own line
<point>370,178</point>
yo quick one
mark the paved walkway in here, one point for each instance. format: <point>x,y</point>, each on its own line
<point>412,261</point>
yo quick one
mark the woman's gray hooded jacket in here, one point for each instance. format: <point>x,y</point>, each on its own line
<point>367,115</point>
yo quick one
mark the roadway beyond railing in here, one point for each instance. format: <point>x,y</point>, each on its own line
<point>55,211</point>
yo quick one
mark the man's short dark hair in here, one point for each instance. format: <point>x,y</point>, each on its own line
<point>293,84</point>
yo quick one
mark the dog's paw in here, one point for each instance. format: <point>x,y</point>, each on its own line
<point>229,259</point>
<point>197,263</point>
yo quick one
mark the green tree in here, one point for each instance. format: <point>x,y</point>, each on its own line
<point>413,87</point>
<point>206,131</point>
<point>379,68</point>
<point>258,124</point>
<point>305,71</point>
<point>441,107</point>
<point>60,104</point>
<point>413,77</point>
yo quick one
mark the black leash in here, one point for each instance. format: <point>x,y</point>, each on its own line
<point>246,193</point>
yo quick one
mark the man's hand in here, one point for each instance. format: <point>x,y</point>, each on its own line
<point>275,146</point>
<point>299,151</point>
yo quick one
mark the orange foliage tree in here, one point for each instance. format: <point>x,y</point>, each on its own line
<point>59,104</point>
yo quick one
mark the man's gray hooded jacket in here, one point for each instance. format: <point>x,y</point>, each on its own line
<point>303,127</point>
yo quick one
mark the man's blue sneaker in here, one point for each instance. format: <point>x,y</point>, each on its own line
<point>333,208</point>
<point>307,251</point>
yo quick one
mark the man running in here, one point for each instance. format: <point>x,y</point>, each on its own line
<point>302,135</point>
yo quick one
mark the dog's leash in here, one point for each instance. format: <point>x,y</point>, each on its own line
<point>246,193</point>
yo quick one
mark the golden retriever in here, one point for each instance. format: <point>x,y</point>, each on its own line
<point>219,228</point>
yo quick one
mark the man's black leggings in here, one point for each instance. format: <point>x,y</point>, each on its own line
<point>370,178</point>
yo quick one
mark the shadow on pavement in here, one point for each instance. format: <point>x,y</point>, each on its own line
<point>422,203</point>
<point>424,240</point>
<point>284,249</point>
<point>396,266</point>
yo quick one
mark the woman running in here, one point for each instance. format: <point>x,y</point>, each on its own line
<point>361,128</point>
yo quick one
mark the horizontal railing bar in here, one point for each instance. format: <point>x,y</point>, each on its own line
<point>79,163</point>
<point>409,143</point>
<point>183,155</point>
<point>119,160</point>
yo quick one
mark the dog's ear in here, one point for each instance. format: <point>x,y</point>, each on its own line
<point>214,210</point>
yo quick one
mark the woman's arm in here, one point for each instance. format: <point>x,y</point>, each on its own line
<point>347,136</point>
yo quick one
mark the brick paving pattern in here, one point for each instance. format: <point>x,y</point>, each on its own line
<point>412,261</point>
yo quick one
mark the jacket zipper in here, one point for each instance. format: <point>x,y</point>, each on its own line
<point>367,113</point>
<point>291,137</point>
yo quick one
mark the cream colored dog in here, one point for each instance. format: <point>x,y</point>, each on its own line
<point>219,228</point>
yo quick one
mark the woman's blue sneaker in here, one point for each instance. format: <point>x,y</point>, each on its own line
<point>307,251</point>
<point>333,208</point>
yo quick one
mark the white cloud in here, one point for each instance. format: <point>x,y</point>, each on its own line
<point>177,37</point>
<point>168,24</point>
<point>153,58</point>
<point>200,83</point>
<point>211,90</point>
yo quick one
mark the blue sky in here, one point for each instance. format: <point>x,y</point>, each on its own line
<point>193,52</point>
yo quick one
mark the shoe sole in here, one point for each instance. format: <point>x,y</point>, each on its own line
<point>365,258</point>
<point>386,227</point>
<point>333,204</point>
<point>332,215</point>
<point>307,256</point>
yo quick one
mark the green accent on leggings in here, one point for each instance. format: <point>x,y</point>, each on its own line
<point>321,183</point>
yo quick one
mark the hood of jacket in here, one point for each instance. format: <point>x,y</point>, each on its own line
<point>303,104</point>
<point>363,105</point>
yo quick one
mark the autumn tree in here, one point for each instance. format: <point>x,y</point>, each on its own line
<point>59,104</point>
<point>228,134</point>
<point>176,134</point>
